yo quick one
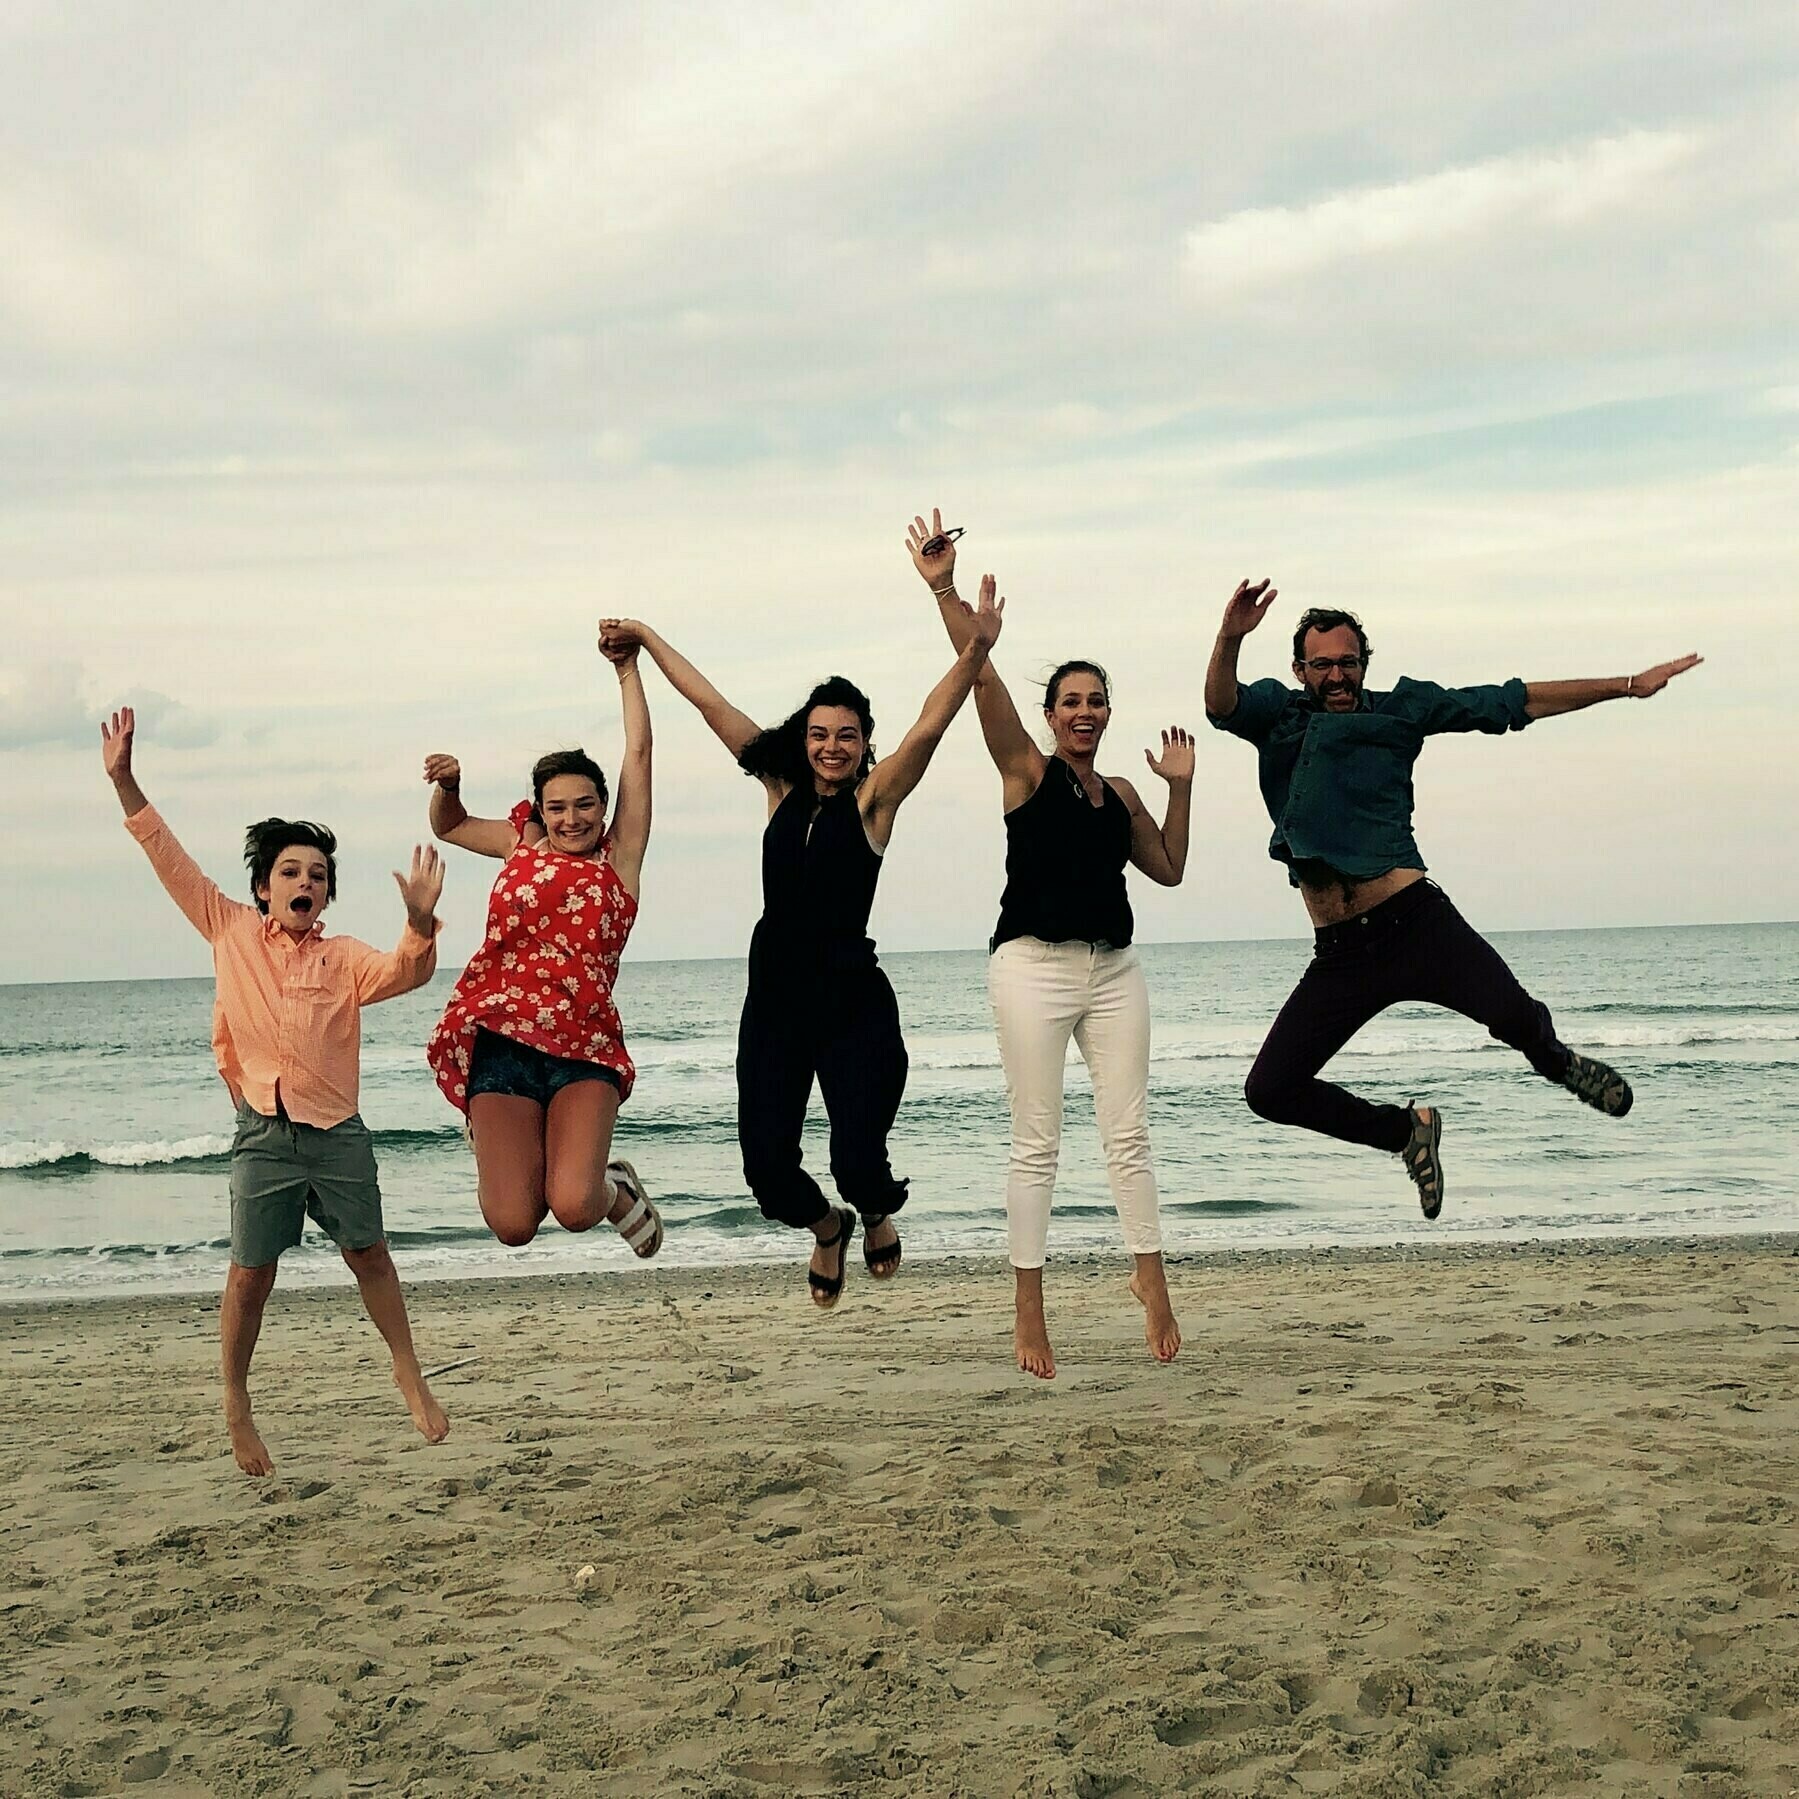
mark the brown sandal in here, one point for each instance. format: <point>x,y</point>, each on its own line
<point>1421,1162</point>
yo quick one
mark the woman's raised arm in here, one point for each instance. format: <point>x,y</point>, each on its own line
<point>732,728</point>
<point>893,777</point>
<point>1017,758</point>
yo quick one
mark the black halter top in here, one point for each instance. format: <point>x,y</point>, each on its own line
<point>818,886</point>
<point>1065,862</point>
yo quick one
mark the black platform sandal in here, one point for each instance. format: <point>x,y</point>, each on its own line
<point>826,1291</point>
<point>882,1264</point>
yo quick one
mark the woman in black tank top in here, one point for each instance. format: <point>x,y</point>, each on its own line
<point>819,1004</point>
<point>1062,964</point>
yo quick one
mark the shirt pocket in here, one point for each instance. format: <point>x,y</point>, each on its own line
<point>320,996</point>
<point>1368,751</point>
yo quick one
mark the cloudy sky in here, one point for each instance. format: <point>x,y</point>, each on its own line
<point>356,359</point>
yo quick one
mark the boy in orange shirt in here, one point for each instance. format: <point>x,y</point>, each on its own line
<point>287,1034</point>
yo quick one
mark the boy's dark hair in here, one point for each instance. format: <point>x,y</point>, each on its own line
<point>1055,681</point>
<point>1326,618</point>
<point>562,762</point>
<point>779,753</point>
<point>265,840</point>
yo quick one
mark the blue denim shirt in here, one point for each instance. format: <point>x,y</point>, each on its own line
<point>1338,785</point>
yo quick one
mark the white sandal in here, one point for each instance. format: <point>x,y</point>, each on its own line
<point>641,1226</point>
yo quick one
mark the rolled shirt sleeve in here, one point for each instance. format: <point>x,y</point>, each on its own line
<point>387,974</point>
<point>202,903</point>
<point>1259,704</point>
<point>1496,708</point>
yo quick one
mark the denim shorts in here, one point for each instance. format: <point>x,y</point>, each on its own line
<point>498,1065</point>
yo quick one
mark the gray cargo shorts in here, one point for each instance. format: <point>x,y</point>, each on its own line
<point>280,1171</point>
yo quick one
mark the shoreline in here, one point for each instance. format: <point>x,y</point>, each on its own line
<point>754,1274</point>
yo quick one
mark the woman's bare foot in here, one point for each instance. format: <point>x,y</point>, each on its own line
<point>432,1420</point>
<point>1030,1331</point>
<point>247,1447</point>
<point>1149,1286</point>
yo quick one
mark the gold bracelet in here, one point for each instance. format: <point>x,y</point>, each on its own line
<point>941,591</point>
<point>1630,683</point>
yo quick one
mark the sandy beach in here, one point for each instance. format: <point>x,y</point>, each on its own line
<point>1502,1521</point>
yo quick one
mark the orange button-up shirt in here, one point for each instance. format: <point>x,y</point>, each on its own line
<point>287,1016</point>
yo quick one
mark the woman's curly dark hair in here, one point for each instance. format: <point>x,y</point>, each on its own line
<point>779,753</point>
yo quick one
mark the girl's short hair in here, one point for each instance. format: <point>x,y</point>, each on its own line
<point>563,762</point>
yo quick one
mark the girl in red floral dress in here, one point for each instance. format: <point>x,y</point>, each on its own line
<point>530,1046</point>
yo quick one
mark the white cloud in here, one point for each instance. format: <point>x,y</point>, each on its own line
<point>44,704</point>
<point>1514,197</point>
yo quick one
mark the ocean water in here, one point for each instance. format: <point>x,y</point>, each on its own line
<point>114,1127</point>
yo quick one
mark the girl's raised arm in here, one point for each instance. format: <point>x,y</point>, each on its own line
<point>732,728</point>
<point>630,834</point>
<point>452,822</point>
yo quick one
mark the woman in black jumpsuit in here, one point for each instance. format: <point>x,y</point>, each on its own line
<point>818,1002</point>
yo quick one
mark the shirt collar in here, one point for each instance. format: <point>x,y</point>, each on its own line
<point>271,929</point>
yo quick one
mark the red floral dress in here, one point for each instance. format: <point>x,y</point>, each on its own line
<point>556,927</point>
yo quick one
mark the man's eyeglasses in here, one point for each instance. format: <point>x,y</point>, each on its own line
<point>1322,665</point>
<point>935,546</point>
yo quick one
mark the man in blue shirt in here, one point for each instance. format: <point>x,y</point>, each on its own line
<point>1336,775</point>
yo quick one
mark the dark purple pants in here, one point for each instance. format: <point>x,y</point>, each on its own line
<point>1413,947</point>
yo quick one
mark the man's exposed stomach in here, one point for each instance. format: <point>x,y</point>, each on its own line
<point>1332,896</point>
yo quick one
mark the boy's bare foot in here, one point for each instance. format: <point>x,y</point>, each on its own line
<point>1149,1287</point>
<point>432,1420</point>
<point>247,1447</point>
<point>1030,1331</point>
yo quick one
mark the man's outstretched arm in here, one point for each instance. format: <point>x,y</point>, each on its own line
<point>1544,699</point>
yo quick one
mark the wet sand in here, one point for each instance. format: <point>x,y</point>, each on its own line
<point>1503,1521</point>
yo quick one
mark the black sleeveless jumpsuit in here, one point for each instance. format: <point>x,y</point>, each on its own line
<point>818,1004</point>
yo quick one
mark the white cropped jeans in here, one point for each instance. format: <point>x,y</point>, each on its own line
<point>1042,994</point>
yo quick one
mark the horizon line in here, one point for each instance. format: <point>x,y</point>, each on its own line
<point>1736,924</point>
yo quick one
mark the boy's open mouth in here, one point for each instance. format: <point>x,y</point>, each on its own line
<point>300,903</point>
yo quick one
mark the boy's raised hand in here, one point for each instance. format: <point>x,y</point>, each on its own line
<point>115,754</point>
<point>115,745</point>
<point>422,888</point>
